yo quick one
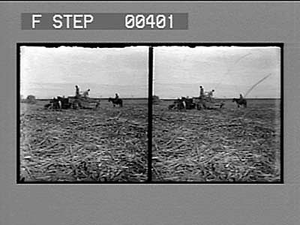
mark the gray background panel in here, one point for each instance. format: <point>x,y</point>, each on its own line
<point>155,204</point>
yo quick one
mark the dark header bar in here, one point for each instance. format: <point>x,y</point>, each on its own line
<point>104,21</point>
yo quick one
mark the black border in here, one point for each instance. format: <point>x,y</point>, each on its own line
<point>145,1</point>
<point>150,108</point>
<point>150,45</point>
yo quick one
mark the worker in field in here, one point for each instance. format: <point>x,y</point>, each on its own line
<point>116,96</point>
<point>86,93</point>
<point>201,92</point>
<point>77,91</point>
<point>241,96</point>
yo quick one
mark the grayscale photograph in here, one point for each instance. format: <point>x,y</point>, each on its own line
<point>217,114</point>
<point>83,114</point>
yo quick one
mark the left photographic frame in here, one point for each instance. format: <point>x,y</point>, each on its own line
<point>82,113</point>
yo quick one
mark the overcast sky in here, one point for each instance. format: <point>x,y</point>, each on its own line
<point>179,71</point>
<point>49,72</point>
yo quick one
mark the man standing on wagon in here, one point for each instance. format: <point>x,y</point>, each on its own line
<point>77,95</point>
<point>201,92</point>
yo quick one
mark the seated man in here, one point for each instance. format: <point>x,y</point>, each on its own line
<point>210,94</point>
<point>86,93</point>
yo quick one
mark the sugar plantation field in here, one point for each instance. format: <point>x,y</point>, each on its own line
<point>108,144</point>
<point>228,145</point>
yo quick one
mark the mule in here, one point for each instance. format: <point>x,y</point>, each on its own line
<point>116,101</point>
<point>240,102</point>
<point>54,104</point>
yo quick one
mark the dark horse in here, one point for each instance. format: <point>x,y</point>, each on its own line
<point>116,101</point>
<point>240,102</point>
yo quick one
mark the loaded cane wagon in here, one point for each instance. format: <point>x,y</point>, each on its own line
<point>83,103</point>
<point>207,103</point>
<point>183,103</point>
<point>196,102</point>
<point>73,102</point>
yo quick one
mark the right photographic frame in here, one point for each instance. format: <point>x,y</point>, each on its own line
<point>217,113</point>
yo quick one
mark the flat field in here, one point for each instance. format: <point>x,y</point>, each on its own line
<point>227,145</point>
<point>108,144</point>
